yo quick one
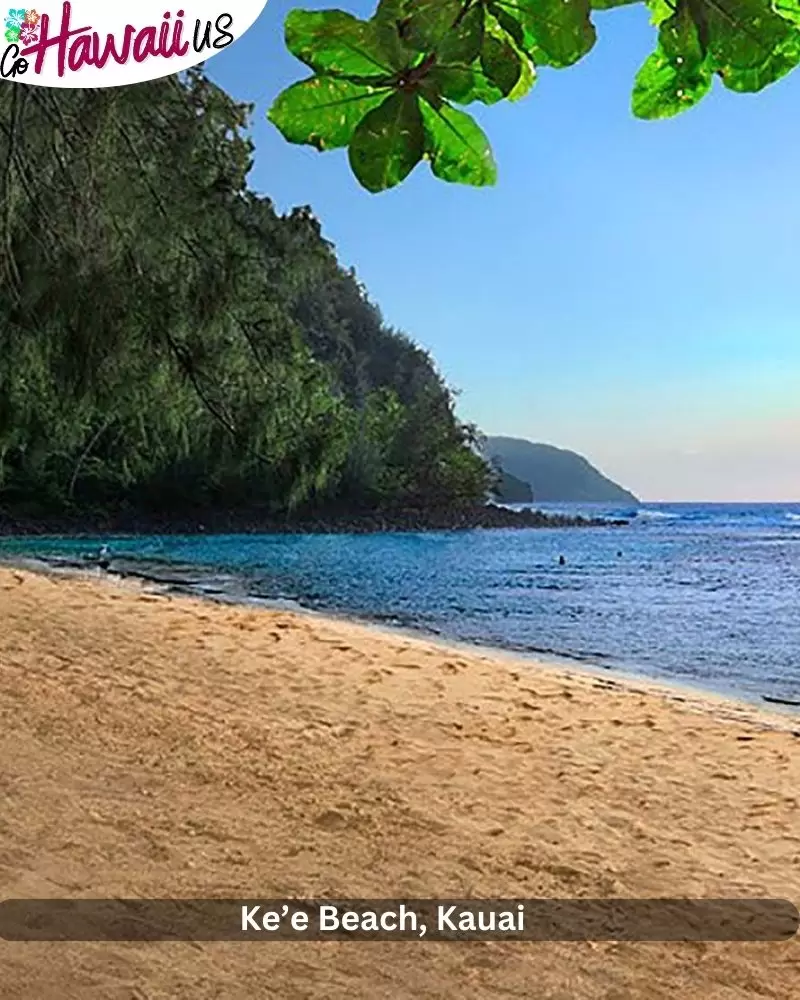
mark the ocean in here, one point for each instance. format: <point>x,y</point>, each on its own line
<point>707,595</point>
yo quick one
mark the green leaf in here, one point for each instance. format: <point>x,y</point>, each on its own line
<point>455,83</point>
<point>526,80</point>
<point>788,9</point>
<point>427,22</point>
<point>501,72</point>
<point>462,44</point>
<point>457,147</point>
<point>501,64</point>
<point>660,92</point>
<point>388,22</point>
<point>323,111</point>
<point>782,60</point>
<point>677,75</point>
<point>751,45</point>
<point>333,42</point>
<point>680,39</point>
<point>464,85</point>
<point>557,32</point>
<point>508,30</point>
<point>509,24</point>
<point>660,10</point>
<point>388,143</point>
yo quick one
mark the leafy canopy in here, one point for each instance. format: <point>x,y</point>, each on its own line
<point>170,345</point>
<point>387,88</point>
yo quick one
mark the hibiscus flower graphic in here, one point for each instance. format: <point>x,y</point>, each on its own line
<point>12,34</point>
<point>28,34</point>
<point>15,19</point>
<point>32,18</point>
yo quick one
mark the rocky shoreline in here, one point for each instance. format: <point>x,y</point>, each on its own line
<point>258,522</point>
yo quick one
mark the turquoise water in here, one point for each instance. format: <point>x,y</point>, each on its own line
<point>705,594</point>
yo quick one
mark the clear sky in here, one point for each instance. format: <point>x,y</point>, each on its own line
<point>629,289</point>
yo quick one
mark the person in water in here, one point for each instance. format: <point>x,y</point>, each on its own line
<point>104,557</point>
<point>562,561</point>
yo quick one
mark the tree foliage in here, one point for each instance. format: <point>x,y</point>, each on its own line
<point>168,341</point>
<point>388,87</point>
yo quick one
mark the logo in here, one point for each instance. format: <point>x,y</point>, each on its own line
<point>93,43</point>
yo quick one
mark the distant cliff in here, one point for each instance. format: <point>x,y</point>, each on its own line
<point>554,475</point>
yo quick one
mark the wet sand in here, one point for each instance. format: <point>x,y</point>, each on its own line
<point>154,746</point>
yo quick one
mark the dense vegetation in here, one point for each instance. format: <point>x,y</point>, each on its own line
<point>389,88</point>
<point>168,342</point>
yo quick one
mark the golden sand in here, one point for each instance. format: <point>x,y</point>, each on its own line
<point>153,746</point>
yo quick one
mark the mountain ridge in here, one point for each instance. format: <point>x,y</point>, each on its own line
<point>555,475</point>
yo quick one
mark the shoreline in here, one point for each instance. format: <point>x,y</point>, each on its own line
<point>673,689</point>
<point>490,516</point>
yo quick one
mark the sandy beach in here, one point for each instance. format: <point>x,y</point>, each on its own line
<point>155,746</point>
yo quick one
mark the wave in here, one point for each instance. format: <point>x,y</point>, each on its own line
<point>656,515</point>
<point>722,515</point>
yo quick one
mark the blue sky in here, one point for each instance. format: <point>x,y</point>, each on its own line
<point>629,289</point>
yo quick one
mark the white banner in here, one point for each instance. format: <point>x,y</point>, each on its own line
<point>97,43</point>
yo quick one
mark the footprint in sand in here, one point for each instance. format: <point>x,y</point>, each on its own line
<point>338,645</point>
<point>483,959</point>
<point>332,820</point>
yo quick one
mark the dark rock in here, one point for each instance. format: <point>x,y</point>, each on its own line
<point>262,522</point>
